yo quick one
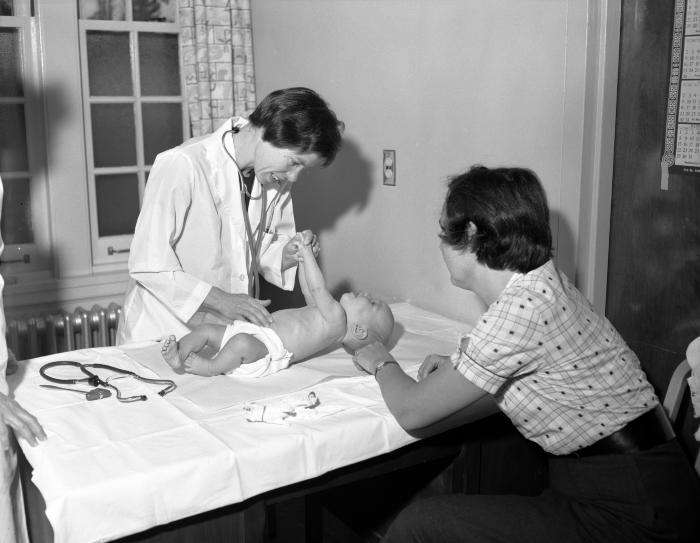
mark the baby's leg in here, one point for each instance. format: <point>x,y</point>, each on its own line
<point>170,353</point>
<point>176,352</point>
<point>240,349</point>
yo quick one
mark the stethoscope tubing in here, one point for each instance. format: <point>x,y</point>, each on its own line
<point>254,242</point>
<point>95,380</point>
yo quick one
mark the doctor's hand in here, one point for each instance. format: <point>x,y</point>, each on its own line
<point>430,364</point>
<point>24,424</point>
<point>238,307</point>
<point>292,252</point>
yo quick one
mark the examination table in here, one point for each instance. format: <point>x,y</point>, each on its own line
<point>110,469</point>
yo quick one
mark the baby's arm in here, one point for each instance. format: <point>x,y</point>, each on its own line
<point>313,284</point>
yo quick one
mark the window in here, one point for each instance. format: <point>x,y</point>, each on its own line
<point>133,109</point>
<point>24,219</point>
<point>90,92</point>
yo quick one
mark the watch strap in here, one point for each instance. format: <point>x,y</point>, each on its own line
<point>379,366</point>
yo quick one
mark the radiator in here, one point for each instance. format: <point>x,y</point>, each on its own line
<point>49,333</point>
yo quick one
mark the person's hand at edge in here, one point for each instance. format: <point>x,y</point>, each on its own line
<point>23,423</point>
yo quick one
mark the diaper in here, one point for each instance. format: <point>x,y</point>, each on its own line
<point>277,358</point>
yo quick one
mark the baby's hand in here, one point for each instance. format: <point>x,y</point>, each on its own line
<point>311,240</point>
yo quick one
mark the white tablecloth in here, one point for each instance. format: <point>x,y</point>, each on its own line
<point>110,469</point>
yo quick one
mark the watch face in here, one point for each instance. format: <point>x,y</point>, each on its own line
<point>379,366</point>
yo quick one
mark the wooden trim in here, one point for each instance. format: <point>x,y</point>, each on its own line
<point>598,150</point>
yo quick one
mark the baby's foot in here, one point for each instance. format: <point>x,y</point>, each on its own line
<point>170,353</point>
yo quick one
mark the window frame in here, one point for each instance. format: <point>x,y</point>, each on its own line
<point>74,271</point>
<point>108,250</point>
<point>30,261</point>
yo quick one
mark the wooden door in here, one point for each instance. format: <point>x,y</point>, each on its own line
<point>653,293</point>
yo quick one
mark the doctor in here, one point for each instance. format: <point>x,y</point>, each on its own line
<point>217,212</point>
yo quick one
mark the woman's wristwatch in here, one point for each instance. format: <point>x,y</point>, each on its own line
<point>382,364</point>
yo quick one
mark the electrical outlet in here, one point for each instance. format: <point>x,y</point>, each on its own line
<point>389,167</point>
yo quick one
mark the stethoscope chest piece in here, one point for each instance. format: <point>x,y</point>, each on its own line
<point>90,395</point>
<point>97,394</point>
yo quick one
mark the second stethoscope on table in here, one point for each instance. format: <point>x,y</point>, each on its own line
<point>255,239</point>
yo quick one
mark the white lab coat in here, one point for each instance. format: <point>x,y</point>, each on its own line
<point>191,236</point>
<point>3,343</point>
<point>12,526</point>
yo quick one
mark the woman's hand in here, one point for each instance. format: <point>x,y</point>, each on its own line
<point>370,356</point>
<point>291,254</point>
<point>24,424</point>
<point>247,308</point>
<point>238,307</point>
<point>430,364</point>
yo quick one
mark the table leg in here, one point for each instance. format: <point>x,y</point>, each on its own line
<point>313,519</point>
<point>250,523</point>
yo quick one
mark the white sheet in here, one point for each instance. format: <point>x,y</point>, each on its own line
<point>110,469</point>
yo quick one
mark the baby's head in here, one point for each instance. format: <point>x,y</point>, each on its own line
<point>368,320</point>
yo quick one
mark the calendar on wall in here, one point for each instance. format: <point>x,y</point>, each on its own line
<point>682,143</point>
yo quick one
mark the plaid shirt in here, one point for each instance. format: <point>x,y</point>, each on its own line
<point>561,373</point>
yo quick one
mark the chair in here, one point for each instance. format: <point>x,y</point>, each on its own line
<point>678,387</point>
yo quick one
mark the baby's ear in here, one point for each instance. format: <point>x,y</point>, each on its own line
<point>359,331</point>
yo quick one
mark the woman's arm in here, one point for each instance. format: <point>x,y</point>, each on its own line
<point>153,262</point>
<point>416,405</point>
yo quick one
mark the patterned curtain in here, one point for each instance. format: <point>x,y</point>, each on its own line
<point>217,51</point>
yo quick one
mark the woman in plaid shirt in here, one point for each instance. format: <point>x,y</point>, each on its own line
<point>561,373</point>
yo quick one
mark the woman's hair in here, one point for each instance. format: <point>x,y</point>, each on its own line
<point>509,208</point>
<point>298,118</point>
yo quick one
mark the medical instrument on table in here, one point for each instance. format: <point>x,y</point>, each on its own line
<point>254,243</point>
<point>94,394</point>
<point>95,380</point>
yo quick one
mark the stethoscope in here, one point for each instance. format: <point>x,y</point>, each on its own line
<point>254,241</point>
<point>95,380</point>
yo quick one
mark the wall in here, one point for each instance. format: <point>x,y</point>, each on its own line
<point>446,84</point>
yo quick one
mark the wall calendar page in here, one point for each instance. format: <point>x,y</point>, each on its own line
<point>682,142</point>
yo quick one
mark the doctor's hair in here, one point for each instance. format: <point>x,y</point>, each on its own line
<point>298,118</point>
<point>509,208</point>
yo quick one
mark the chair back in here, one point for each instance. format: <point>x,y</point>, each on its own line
<point>684,384</point>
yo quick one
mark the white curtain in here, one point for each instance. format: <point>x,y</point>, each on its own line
<point>217,47</point>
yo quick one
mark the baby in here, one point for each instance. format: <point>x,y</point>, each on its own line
<point>249,350</point>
